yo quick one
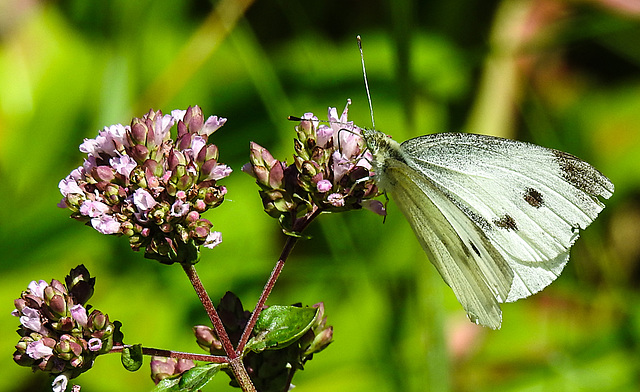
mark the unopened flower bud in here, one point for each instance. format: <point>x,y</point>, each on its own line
<point>309,168</point>
<point>192,217</point>
<point>80,284</point>
<point>208,169</point>
<point>75,348</point>
<point>49,342</point>
<point>176,158</point>
<point>200,206</point>
<point>260,156</point>
<point>201,228</point>
<point>58,305</point>
<point>163,367</point>
<point>33,301</point>
<point>97,320</point>
<point>152,171</point>
<point>185,182</point>
<point>58,286</point>
<point>140,153</point>
<point>138,133</point>
<point>209,153</point>
<point>64,346</point>
<point>206,338</point>
<point>194,119</point>
<point>261,173</point>
<point>103,173</point>
<point>321,341</point>
<point>183,365</point>
<point>320,317</point>
<point>64,324</point>
<point>276,175</point>
<point>20,304</point>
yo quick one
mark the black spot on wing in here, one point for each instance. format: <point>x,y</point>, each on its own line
<point>506,222</point>
<point>533,197</point>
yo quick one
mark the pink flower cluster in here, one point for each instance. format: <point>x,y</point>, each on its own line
<point>138,182</point>
<point>58,334</point>
<point>331,171</point>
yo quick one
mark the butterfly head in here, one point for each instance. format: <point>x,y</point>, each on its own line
<point>380,145</point>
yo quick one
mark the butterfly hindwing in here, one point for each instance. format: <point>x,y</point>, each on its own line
<point>479,276</point>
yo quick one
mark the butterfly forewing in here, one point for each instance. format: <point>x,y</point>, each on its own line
<point>529,200</point>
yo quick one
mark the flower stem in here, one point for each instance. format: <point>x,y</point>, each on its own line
<point>174,354</point>
<point>265,294</point>
<point>300,225</point>
<point>235,361</point>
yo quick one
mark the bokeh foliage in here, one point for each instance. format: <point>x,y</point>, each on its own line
<point>563,74</point>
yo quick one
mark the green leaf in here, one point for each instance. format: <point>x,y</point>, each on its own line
<point>191,380</point>
<point>279,326</point>
<point>132,357</point>
<point>168,384</point>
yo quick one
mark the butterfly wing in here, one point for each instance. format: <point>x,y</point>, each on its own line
<point>479,276</point>
<point>529,201</point>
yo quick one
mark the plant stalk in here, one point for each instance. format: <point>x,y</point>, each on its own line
<point>174,354</point>
<point>299,226</point>
<point>235,361</point>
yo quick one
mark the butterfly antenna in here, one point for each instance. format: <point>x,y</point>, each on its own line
<point>366,82</point>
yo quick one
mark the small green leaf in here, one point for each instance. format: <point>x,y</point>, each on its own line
<point>132,357</point>
<point>191,380</point>
<point>279,326</point>
<point>168,384</point>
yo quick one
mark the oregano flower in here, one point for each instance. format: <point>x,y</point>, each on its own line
<point>138,182</point>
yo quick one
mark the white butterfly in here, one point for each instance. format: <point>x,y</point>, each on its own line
<point>496,217</point>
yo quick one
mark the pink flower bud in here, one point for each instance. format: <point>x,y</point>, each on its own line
<point>183,365</point>
<point>324,186</point>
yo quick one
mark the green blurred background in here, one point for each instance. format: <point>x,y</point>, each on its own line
<point>563,74</point>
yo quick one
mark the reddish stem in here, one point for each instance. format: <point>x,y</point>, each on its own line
<point>233,359</point>
<point>174,354</point>
<point>299,226</point>
<point>211,310</point>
